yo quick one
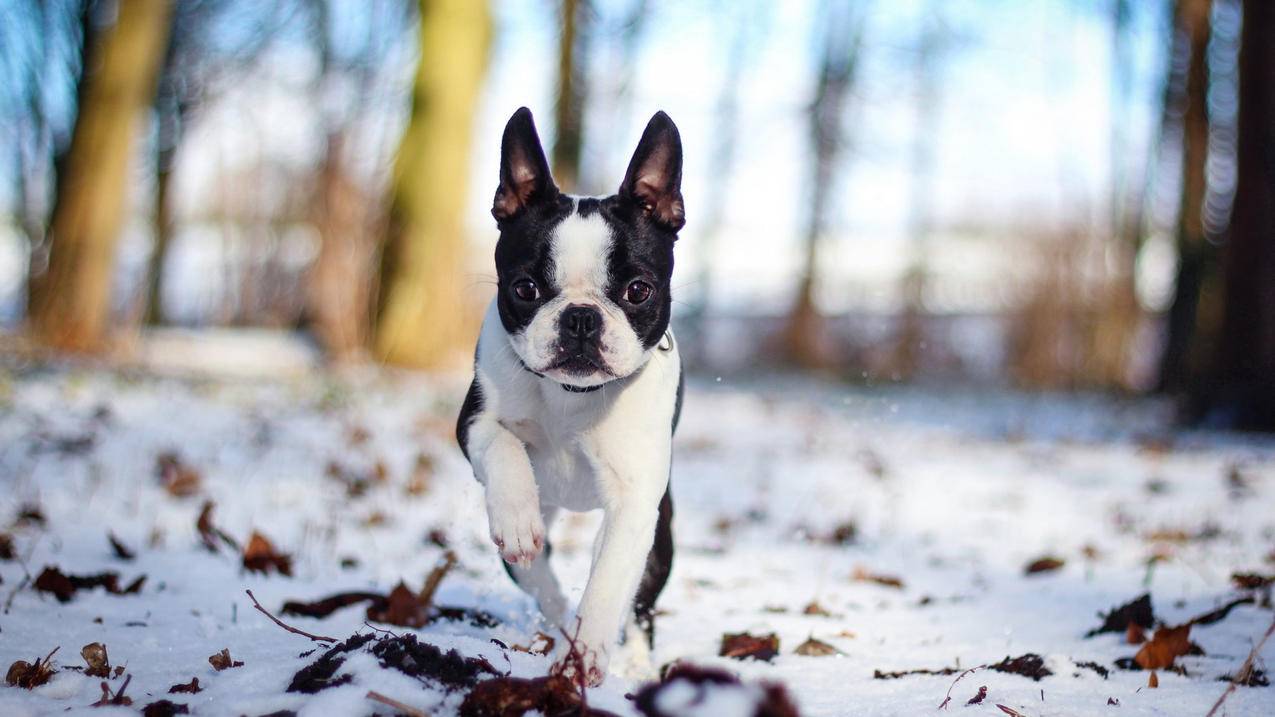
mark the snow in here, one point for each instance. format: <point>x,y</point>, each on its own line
<point>953,492</point>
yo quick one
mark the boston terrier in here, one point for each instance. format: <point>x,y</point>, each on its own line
<point>578,385</point>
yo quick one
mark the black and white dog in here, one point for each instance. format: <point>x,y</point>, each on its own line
<point>578,382</point>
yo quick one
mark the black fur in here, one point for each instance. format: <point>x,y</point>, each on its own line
<point>469,410</point>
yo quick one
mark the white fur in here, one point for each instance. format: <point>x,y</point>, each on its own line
<point>537,447</point>
<point>579,251</point>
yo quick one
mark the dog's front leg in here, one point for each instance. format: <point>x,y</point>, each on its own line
<point>501,464</point>
<point>628,529</point>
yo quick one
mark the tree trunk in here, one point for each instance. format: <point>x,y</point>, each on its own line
<point>804,340</point>
<point>569,106</point>
<point>1245,383</point>
<point>1191,317</point>
<point>423,319</point>
<point>70,301</point>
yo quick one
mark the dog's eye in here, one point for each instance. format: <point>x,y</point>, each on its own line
<point>638,292</point>
<point>526,290</point>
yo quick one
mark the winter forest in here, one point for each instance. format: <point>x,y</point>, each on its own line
<point>975,301</point>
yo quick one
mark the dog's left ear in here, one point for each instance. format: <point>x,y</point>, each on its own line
<point>654,179</point>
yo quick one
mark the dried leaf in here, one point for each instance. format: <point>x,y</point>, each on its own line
<point>29,675</point>
<point>1153,681</point>
<point>99,664</point>
<point>178,478</point>
<point>742,646</point>
<point>1029,665</point>
<point>165,708</point>
<point>1010,711</point>
<point>189,688</point>
<point>63,587</point>
<point>814,608</point>
<point>1047,564</point>
<point>541,644</point>
<point>114,699</point>
<point>1251,581</point>
<point>210,534</point>
<point>816,648</point>
<point>978,698</point>
<point>260,556</point>
<point>1139,611</point>
<point>1135,635</point>
<point>6,547</point>
<point>1165,646</point>
<point>121,551</point>
<point>222,660</point>
<point>862,575</point>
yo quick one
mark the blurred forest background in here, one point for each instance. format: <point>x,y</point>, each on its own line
<point>1046,194</point>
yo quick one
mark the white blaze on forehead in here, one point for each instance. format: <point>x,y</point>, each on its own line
<point>580,249</point>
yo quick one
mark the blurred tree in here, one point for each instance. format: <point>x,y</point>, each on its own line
<point>345,210</point>
<point>421,318</point>
<point>1241,394</point>
<point>1117,314</point>
<point>70,299</point>
<point>804,341</point>
<point>575,33</point>
<point>1193,315</point>
<point>926,70</point>
<point>195,56</point>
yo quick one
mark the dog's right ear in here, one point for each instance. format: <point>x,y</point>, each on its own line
<point>524,171</point>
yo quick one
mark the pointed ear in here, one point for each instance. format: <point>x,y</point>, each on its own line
<point>654,179</point>
<point>524,171</point>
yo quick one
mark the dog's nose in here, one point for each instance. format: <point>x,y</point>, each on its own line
<point>580,322</point>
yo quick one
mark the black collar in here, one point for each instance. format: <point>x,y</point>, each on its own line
<point>565,387</point>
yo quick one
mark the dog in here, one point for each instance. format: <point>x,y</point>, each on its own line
<point>578,385</point>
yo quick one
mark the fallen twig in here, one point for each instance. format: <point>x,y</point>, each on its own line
<point>391,702</point>
<point>948,698</point>
<point>435,578</point>
<point>1245,669</point>
<point>289,628</point>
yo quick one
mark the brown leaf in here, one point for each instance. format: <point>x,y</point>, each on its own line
<point>862,575</point>
<point>6,547</point>
<point>121,551</point>
<point>114,699</point>
<point>1010,711</point>
<point>814,608</point>
<point>1165,646</point>
<point>1138,611</point>
<point>1046,564</point>
<point>99,664</point>
<point>1153,681</point>
<point>330,604</point>
<point>260,556</point>
<point>978,698</point>
<point>1135,635</point>
<point>178,478</point>
<point>1029,665</point>
<point>742,646</point>
<point>816,648</point>
<point>402,607</point>
<point>210,534</point>
<point>28,675</point>
<point>222,660</point>
<point>1251,581</point>
<point>541,644</point>
<point>165,708</point>
<point>189,688</point>
<point>64,587</point>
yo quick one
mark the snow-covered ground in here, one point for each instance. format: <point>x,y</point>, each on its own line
<point>953,494</point>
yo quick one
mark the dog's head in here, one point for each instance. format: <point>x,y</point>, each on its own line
<point>584,281</point>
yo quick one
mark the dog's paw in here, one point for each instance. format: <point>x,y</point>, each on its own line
<point>516,528</point>
<point>581,663</point>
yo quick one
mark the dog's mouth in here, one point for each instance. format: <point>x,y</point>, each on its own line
<point>580,365</point>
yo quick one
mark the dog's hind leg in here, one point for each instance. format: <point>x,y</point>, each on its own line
<point>538,580</point>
